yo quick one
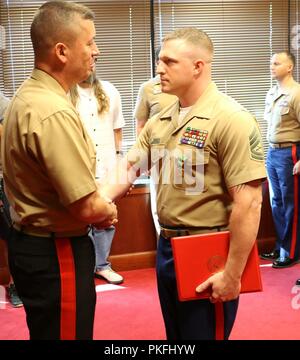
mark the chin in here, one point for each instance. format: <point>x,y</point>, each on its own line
<point>165,90</point>
<point>86,75</point>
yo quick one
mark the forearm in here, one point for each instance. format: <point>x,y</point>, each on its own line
<point>115,191</point>
<point>120,181</point>
<point>140,125</point>
<point>93,209</point>
<point>243,226</point>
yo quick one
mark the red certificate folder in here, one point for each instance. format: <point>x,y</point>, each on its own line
<point>197,257</point>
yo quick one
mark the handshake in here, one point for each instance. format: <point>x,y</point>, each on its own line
<point>111,214</point>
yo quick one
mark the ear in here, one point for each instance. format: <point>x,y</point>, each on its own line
<point>291,68</point>
<point>198,66</point>
<point>61,52</point>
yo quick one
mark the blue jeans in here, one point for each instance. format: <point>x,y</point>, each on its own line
<point>102,240</point>
<point>281,186</point>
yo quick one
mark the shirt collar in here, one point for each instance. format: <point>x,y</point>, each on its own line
<point>48,81</point>
<point>202,108</point>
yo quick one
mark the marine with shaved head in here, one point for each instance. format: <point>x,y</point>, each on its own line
<point>211,148</point>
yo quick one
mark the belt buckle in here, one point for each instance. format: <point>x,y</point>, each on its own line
<point>183,232</point>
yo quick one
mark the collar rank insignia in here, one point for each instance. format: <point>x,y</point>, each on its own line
<point>155,141</point>
<point>194,137</point>
<point>157,89</point>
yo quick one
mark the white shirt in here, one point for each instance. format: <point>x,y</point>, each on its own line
<point>101,127</point>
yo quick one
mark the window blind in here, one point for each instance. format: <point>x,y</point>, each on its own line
<point>123,38</point>
<point>245,35</point>
<point>295,35</point>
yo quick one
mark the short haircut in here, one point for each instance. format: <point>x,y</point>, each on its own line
<point>53,23</point>
<point>194,36</point>
<point>289,55</point>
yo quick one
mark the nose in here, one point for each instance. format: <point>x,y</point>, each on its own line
<point>95,51</point>
<point>159,67</point>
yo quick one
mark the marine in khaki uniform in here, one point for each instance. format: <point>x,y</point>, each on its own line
<point>5,221</point>
<point>282,113</point>
<point>49,174</point>
<point>208,157</point>
<point>150,101</point>
<point>216,127</point>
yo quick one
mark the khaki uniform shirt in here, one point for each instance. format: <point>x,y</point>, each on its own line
<point>217,145</point>
<point>282,112</point>
<point>151,100</point>
<point>48,159</point>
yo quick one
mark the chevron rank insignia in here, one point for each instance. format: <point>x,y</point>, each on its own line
<point>256,150</point>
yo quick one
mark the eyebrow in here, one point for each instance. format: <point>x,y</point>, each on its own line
<point>163,58</point>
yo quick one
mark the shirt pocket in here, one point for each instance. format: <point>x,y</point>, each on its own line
<point>268,111</point>
<point>284,110</point>
<point>189,166</point>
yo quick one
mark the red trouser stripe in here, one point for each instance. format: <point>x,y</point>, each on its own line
<point>219,315</point>
<point>68,289</point>
<point>295,218</point>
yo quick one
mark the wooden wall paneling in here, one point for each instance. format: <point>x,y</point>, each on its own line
<point>134,244</point>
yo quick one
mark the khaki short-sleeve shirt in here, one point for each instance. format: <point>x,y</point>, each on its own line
<point>48,158</point>
<point>151,100</point>
<point>216,146</point>
<point>282,113</point>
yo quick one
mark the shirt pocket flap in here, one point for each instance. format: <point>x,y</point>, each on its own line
<point>199,157</point>
<point>157,152</point>
<point>284,110</point>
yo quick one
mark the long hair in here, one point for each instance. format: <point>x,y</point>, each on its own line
<point>101,96</point>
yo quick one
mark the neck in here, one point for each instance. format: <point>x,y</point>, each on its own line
<point>191,96</point>
<point>286,82</point>
<point>85,85</point>
<point>57,73</point>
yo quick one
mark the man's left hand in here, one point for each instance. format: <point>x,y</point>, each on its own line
<point>222,287</point>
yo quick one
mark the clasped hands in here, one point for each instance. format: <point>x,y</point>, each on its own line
<point>111,219</point>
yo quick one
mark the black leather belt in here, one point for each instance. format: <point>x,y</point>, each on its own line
<point>40,232</point>
<point>283,145</point>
